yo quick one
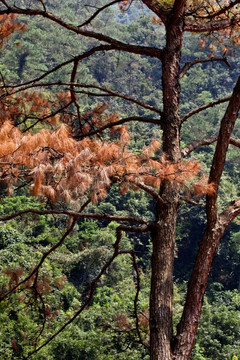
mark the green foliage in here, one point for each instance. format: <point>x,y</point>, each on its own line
<point>96,334</point>
<point>218,334</point>
<point>80,258</point>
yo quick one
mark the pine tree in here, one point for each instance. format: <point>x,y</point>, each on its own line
<point>63,165</point>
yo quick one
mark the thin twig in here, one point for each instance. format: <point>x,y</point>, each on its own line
<point>88,21</point>
<point>138,288</point>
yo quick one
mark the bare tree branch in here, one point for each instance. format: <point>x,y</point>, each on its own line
<point>190,201</point>
<point>235,142</point>
<point>216,225</point>
<point>134,260</point>
<point>203,142</point>
<point>188,65</point>
<point>135,265</point>
<point>157,8</point>
<point>197,144</point>
<point>229,214</point>
<point>118,45</point>
<point>119,122</point>
<point>93,94</point>
<point>149,190</point>
<point>87,86</point>
<point>138,288</point>
<point>78,58</point>
<point>46,117</point>
<point>74,214</point>
<point>226,128</point>
<point>217,25</point>
<point>223,10</point>
<point>44,316</point>
<point>73,94</point>
<point>3,81</point>
<point>204,107</point>
<point>4,3</point>
<point>53,248</point>
<point>125,97</point>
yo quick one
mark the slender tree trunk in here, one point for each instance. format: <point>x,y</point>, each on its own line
<point>190,319</point>
<point>187,328</point>
<point>216,225</point>
<point>164,232</point>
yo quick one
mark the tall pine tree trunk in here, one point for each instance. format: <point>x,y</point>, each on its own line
<point>164,231</point>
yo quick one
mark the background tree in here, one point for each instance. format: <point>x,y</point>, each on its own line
<point>63,168</point>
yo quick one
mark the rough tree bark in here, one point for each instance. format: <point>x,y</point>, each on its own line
<point>164,233</point>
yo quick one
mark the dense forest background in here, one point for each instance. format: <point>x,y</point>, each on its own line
<point>107,329</point>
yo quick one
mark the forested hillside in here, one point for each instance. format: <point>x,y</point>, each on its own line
<point>112,85</point>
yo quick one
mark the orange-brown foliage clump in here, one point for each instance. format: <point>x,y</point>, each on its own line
<point>201,187</point>
<point>122,322</point>
<point>14,275</point>
<point>213,9</point>
<point>62,168</point>
<point>33,106</point>
<point>8,25</point>
<point>123,5</point>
